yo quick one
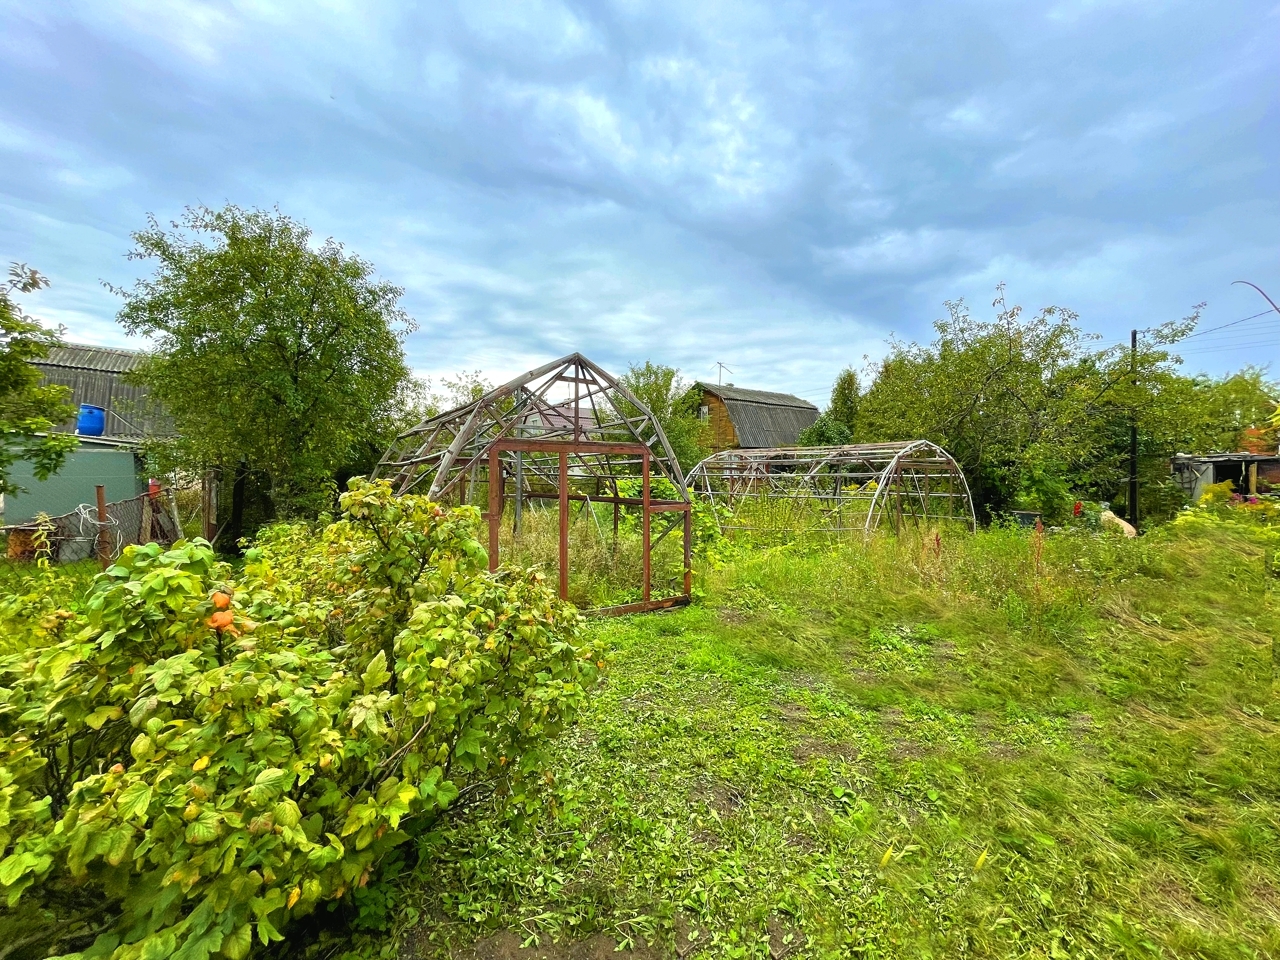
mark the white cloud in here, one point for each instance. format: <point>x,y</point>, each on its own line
<point>769,185</point>
<point>904,251</point>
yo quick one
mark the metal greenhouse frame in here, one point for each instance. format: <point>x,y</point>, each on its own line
<point>833,489</point>
<point>567,431</point>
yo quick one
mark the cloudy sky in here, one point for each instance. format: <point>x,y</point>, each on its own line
<point>777,186</point>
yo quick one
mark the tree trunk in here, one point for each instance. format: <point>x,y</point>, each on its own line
<point>235,530</point>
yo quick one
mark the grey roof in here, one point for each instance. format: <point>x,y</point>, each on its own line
<point>96,375</point>
<point>762,418</point>
<point>83,356</point>
<point>1243,455</point>
<point>767,425</point>
<point>730,392</point>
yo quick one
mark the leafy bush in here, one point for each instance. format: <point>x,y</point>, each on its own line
<point>826,431</point>
<point>198,758</point>
<point>1217,494</point>
<point>705,527</point>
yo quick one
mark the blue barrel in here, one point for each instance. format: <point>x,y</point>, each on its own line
<point>92,420</point>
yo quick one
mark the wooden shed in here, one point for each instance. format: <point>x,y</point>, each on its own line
<point>97,375</point>
<point>1249,473</point>
<point>752,419</point>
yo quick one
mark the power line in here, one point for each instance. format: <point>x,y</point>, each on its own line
<point>1246,340</point>
<point>1225,325</point>
<point>1226,348</point>
<point>1254,330</point>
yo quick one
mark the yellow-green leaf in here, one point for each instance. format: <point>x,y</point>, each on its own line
<point>134,800</point>
<point>119,845</point>
<point>202,830</point>
<point>100,716</point>
<point>236,945</point>
<point>287,814</point>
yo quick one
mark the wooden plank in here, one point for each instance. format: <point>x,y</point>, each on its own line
<point>643,606</point>
<point>570,446</point>
<point>656,506</point>
<point>688,553</point>
<point>104,534</point>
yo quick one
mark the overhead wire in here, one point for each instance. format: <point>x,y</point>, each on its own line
<point>1230,347</point>
<point>1224,326</point>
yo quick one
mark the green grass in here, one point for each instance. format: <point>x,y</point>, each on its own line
<point>53,585</point>
<point>602,570</point>
<point>990,745</point>
<point>979,747</point>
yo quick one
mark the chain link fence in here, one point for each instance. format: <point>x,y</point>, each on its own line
<point>80,535</point>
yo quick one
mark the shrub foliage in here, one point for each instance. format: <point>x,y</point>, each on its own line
<point>197,757</point>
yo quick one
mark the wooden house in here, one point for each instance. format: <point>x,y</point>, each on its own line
<point>752,419</point>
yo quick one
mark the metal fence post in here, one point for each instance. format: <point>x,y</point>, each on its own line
<point>104,538</point>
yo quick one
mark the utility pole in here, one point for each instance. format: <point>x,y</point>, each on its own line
<point>1133,432</point>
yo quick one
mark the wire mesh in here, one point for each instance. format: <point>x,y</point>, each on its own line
<point>80,535</point>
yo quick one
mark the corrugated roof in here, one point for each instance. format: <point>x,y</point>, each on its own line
<point>96,375</point>
<point>730,392</point>
<point>1243,456</point>
<point>83,356</point>
<point>768,425</point>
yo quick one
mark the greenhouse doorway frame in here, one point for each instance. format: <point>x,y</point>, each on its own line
<point>567,431</point>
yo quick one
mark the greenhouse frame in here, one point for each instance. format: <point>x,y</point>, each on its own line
<point>836,489</point>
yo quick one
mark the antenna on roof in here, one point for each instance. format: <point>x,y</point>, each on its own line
<point>720,373</point>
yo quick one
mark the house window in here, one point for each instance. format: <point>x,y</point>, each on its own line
<point>704,412</point>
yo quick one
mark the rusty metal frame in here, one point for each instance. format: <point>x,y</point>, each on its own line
<point>579,428</point>
<point>853,487</point>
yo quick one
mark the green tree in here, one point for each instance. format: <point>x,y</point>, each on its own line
<point>666,394</point>
<point>28,411</point>
<point>846,395</point>
<point>1237,404</point>
<point>826,431</point>
<point>1035,412</point>
<point>273,355</point>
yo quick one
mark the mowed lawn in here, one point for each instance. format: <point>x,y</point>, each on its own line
<point>998,745</point>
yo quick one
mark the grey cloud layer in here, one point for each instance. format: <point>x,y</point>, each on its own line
<point>774,185</point>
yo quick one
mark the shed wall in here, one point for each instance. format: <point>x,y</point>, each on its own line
<point>85,467</point>
<point>129,413</point>
<point>723,436</point>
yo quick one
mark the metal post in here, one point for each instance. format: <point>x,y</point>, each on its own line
<point>177,517</point>
<point>688,550</point>
<point>564,525</point>
<point>515,523</point>
<point>1133,433</point>
<point>644,487</point>
<point>495,505</point>
<point>104,538</point>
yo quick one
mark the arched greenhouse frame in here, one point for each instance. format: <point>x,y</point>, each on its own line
<point>855,487</point>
